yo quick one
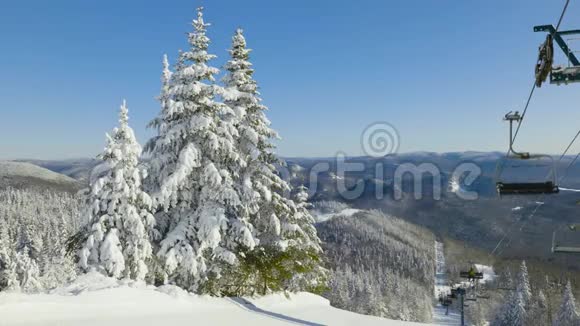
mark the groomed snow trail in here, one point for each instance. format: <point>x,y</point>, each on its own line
<point>441,287</point>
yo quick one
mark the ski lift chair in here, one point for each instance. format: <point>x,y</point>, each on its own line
<point>471,275</point>
<point>524,188</point>
<point>558,248</point>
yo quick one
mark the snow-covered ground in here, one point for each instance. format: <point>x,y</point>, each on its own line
<point>96,300</point>
<point>440,314</point>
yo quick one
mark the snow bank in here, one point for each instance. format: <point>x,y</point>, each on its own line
<point>96,300</point>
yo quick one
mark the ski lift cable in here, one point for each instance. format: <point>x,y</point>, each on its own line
<point>562,15</point>
<point>523,116</point>
<point>534,86</point>
<point>520,124</point>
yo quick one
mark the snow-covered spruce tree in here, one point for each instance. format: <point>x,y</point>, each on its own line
<point>513,311</point>
<point>8,277</point>
<point>505,279</point>
<point>538,312</point>
<point>151,183</point>
<point>518,312</point>
<point>567,315</point>
<point>27,271</point>
<point>303,240</point>
<point>192,160</point>
<point>118,242</point>
<point>288,254</point>
<point>523,284</point>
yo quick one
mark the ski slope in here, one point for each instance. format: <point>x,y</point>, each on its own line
<point>96,300</point>
<point>440,314</point>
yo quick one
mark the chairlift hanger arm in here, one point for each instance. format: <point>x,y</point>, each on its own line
<point>558,38</point>
<point>514,117</point>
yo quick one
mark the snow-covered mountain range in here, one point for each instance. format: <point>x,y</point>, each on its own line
<point>26,175</point>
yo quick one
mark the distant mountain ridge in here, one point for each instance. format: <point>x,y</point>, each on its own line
<point>78,169</point>
<point>26,175</point>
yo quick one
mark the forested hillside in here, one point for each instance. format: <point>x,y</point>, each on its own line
<point>380,265</point>
<point>35,226</point>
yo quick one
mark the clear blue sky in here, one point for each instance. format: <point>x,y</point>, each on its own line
<point>443,72</point>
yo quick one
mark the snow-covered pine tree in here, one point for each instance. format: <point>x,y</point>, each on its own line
<point>523,284</point>
<point>299,231</point>
<point>538,312</point>
<point>512,312</point>
<point>8,277</point>
<point>505,279</point>
<point>192,160</point>
<point>118,242</point>
<point>518,312</point>
<point>56,266</point>
<point>288,245</point>
<point>27,271</point>
<point>567,315</point>
<point>151,183</point>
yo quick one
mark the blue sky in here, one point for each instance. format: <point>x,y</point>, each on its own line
<point>442,72</point>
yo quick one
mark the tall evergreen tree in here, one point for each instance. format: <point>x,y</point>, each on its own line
<point>287,237</point>
<point>191,159</point>
<point>121,223</point>
<point>523,284</point>
<point>27,271</point>
<point>8,276</point>
<point>538,312</point>
<point>518,311</point>
<point>568,315</point>
<point>506,279</point>
<point>303,239</point>
<point>153,180</point>
<point>513,311</point>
